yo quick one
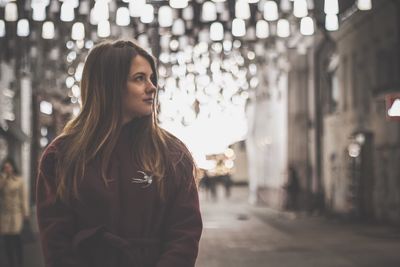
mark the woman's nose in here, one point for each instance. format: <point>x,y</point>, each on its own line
<point>151,88</point>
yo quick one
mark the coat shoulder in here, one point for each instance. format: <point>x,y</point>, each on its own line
<point>178,152</point>
<point>181,164</point>
<point>49,156</point>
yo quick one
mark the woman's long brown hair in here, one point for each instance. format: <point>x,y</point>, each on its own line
<point>94,132</point>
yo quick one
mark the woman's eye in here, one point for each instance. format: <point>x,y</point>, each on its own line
<point>139,78</point>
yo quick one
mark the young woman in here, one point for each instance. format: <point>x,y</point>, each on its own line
<point>14,209</point>
<point>114,189</point>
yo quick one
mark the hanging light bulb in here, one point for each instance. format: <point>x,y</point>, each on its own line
<point>23,28</point>
<point>75,3</point>
<point>216,31</point>
<point>93,18</point>
<point>178,28</point>
<point>307,26</point>
<point>143,40</point>
<point>283,28</point>
<point>165,16</point>
<point>209,11</point>
<point>38,12</point>
<point>48,30</point>
<point>300,9</point>
<point>123,18</point>
<point>331,22</point>
<point>11,12</point>
<point>331,7</point>
<point>242,9</point>
<point>238,27</point>
<point>262,29</point>
<point>178,3</point>
<point>99,12</point>
<point>364,5</point>
<point>271,11</point>
<point>2,28</point>
<point>37,3</point>
<point>310,4</point>
<point>103,29</point>
<point>78,31</point>
<point>67,12</point>
<point>188,13</point>
<point>136,8</point>
<point>148,14</point>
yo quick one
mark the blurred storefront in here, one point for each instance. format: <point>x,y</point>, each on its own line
<point>342,140</point>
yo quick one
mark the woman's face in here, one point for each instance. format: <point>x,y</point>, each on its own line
<point>8,168</point>
<point>140,93</point>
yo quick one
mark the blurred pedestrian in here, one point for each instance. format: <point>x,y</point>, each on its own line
<point>14,209</point>
<point>208,182</point>
<point>227,181</point>
<point>114,189</point>
<point>292,188</point>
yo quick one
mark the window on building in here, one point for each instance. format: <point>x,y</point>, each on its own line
<point>385,70</point>
<point>333,95</point>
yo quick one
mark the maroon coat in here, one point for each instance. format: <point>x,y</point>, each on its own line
<point>123,225</point>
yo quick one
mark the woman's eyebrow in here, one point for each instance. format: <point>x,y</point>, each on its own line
<point>141,73</point>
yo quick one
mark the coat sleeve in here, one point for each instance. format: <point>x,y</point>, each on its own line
<point>56,220</point>
<point>183,227</point>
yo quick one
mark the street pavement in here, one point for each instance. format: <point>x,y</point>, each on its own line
<point>237,234</point>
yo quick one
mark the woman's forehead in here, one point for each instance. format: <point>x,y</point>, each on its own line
<point>140,64</point>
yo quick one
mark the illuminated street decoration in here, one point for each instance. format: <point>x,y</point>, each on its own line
<point>208,51</point>
<point>364,4</point>
<point>394,110</point>
<point>393,107</point>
